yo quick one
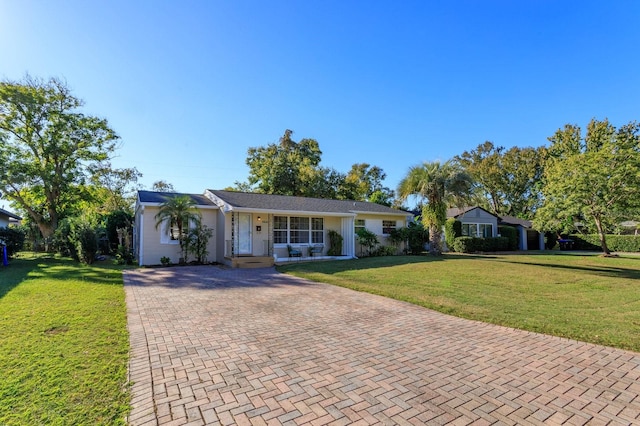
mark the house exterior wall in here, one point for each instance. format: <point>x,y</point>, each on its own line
<point>479,216</point>
<point>148,239</point>
<point>374,223</point>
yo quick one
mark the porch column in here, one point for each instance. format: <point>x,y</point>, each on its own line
<point>523,238</point>
<point>348,237</point>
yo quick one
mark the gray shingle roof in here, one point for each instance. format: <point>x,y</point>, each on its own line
<point>161,197</point>
<point>459,211</point>
<point>511,220</point>
<point>302,204</point>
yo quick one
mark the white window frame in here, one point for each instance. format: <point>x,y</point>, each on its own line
<point>389,227</point>
<point>313,234</point>
<point>477,229</point>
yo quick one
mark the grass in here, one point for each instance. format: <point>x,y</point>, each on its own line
<point>63,343</point>
<point>583,297</point>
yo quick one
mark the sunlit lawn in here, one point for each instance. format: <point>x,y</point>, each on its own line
<point>63,343</point>
<point>583,297</point>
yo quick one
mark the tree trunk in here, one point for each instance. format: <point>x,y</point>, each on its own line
<point>435,240</point>
<point>601,235</point>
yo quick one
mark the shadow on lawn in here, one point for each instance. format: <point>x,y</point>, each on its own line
<point>49,267</point>
<point>608,271</point>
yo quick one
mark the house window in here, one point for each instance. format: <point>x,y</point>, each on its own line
<point>388,226</point>
<point>485,229</point>
<point>298,230</point>
<point>317,230</point>
<point>481,230</point>
<point>359,224</point>
<point>280,229</point>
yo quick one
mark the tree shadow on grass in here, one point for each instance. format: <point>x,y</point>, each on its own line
<point>54,268</point>
<point>607,271</point>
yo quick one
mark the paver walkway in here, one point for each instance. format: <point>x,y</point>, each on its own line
<point>219,346</point>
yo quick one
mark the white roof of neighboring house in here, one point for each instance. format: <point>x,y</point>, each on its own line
<point>9,215</point>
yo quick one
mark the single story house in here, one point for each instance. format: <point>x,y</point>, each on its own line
<point>252,229</point>
<point>7,217</point>
<point>476,221</point>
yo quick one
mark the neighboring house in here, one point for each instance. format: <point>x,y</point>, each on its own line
<point>476,221</point>
<point>529,238</point>
<point>6,218</point>
<point>257,229</point>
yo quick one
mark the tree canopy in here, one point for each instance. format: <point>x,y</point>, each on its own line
<point>438,186</point>
<point>293,168</point>
<point>506,182</point>
<point>593,178</point>
<point>52,153</point>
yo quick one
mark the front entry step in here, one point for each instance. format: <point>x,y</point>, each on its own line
<point>246,262</point>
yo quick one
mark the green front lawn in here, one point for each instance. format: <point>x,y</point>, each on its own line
<point>582,297</point>
<point>63,343</point>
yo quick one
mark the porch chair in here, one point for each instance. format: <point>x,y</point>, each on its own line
<point>293,252</point>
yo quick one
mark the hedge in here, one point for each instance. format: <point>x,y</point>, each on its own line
<point>511,233</point>
<point>13,238</point>
<point>623,243</point>
<point>474,244</point>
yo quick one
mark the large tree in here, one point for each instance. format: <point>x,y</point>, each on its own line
<point>438,186</point>
<point>364,183</point>
<point>593,178</point>
<point>285,168</point>
<point>506,182</point>
<point>50,149</point>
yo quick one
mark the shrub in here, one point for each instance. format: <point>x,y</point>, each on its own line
<point>624,243</point>
<point>415,235</point>
<point>13,238</point>
<point>473,244</point>
<point>124,256</point>
<point>197,241</point>
<point>550,240</point>
<point>165,261</point>
<point>511,234</point>
<point>384,251</point>
<point>452,230</point>
<point>85,240</point>
<point>118,219</point>
<point>335,243</point>
<point>367,239</point>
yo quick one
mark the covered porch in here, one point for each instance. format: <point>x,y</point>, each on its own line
<point>256,239</point>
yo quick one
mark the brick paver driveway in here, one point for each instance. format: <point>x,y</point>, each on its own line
<point>219,346</point>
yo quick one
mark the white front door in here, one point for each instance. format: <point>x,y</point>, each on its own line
<point>244,233</point>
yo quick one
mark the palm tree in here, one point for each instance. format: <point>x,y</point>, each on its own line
<point>437,185</point>
<point>179,211</point>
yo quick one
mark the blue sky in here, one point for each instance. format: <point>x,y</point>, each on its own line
<point>191,85</point>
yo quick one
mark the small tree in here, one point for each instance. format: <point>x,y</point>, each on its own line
<point>178,212</point>
<point>367,239</point>
<point>335,243</point>
<point>452,230</point>
<point>198,238</point>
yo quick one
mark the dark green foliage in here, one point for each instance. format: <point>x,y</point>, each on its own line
<point>13,238</point>
<point>415,235</point>
<point>550,240</point>
<point>474,245</point>
<point>335,243</point>
<point>367,239</point>
<point>85,240</point>
<point>511,233</point>
<point>165,261</point>
<point>622,243</point>
<point>452,230</point>
<point>384,251</point>
<point>197,240</point>
<point>124,256</point>
<point>78,239</point>
<point>119,219</point>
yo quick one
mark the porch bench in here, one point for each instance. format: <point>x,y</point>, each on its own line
<point>316,249</point>
<point>294,252</point>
